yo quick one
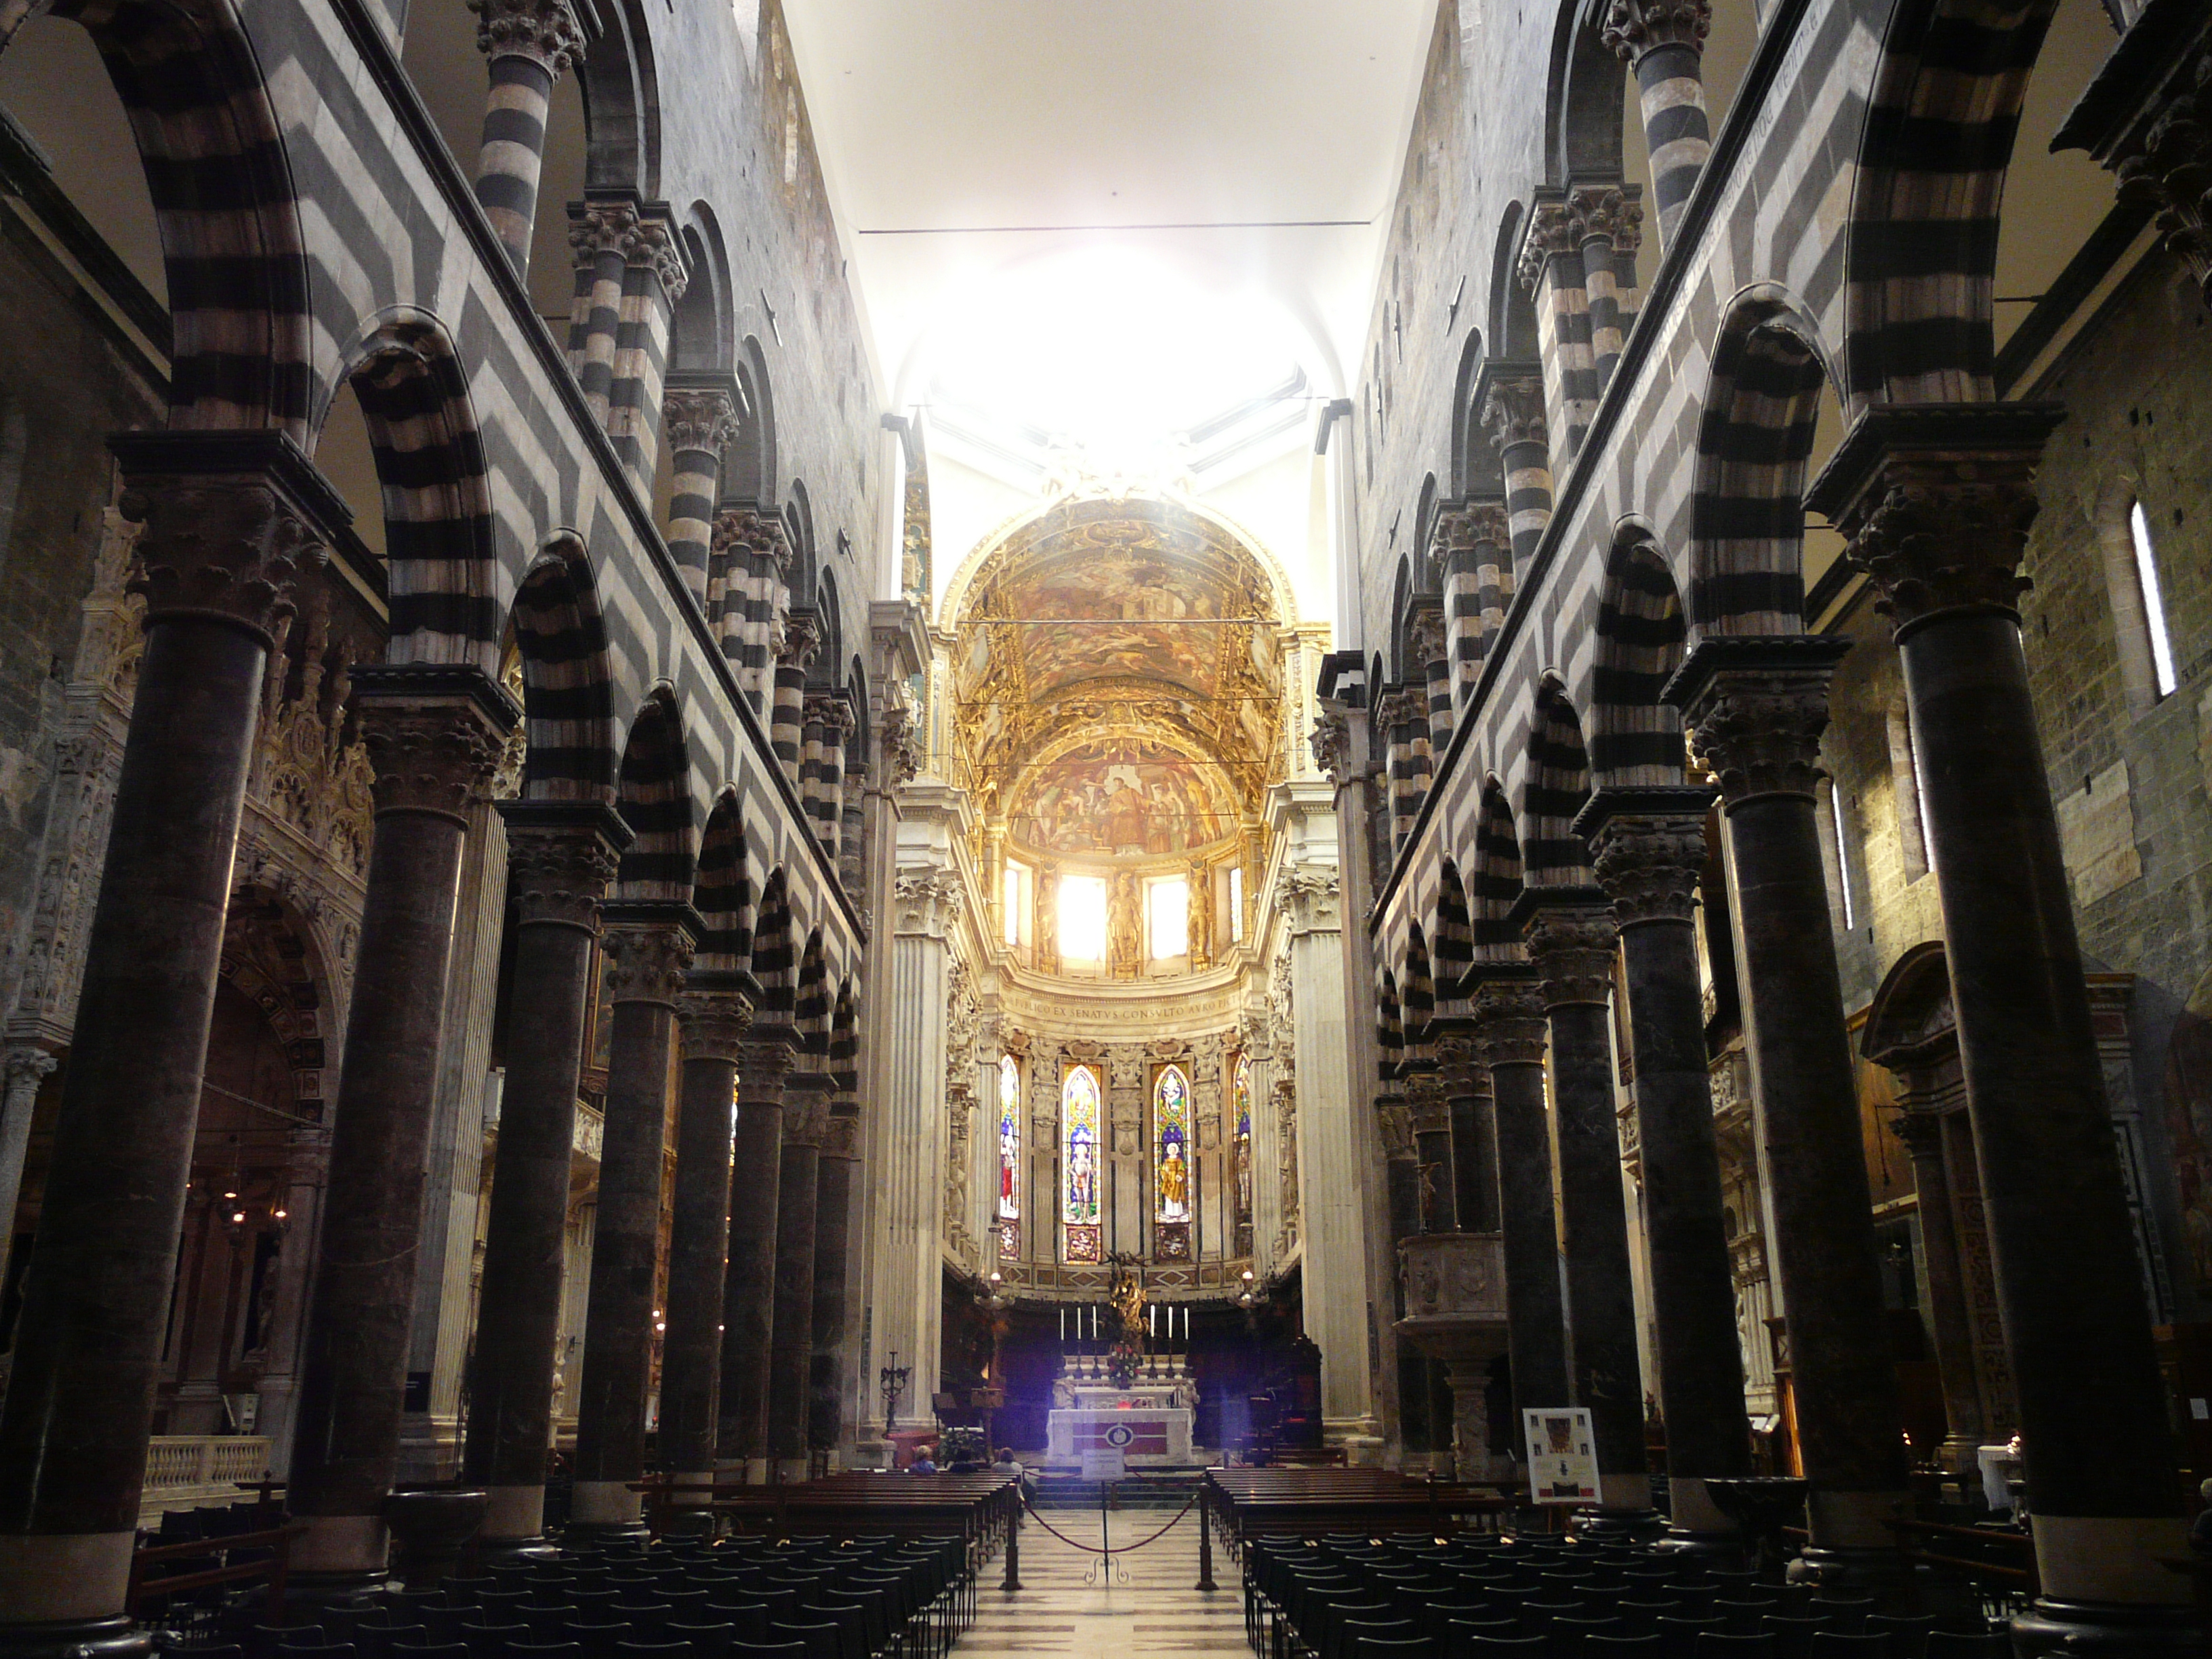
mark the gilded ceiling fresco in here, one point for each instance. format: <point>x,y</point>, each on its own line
<point>1116,686</point>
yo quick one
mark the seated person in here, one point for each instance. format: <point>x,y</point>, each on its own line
<point>923,1464</point>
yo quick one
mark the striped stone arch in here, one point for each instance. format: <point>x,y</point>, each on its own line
<point>1418,999</point>
<point>653,794</point>
<point>774,960</point>
<point>1747,507</point>
<point>1920,249</point>
<point>430,454</point>
<point>1558,784</point>
<point>1452,934</point>
<point>1635,739</point>
<point>568,696</point>
<point>1496,888</point>
<point>845,1044</point>
<point>213,149</point>
<point>810,1004</point>
<point>1389,1025</point>
<point>722,888</point>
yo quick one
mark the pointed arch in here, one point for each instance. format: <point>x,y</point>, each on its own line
<point>810,1004</point>
<point>567,698</point>
<point>1558,784</point>
<point>845,1045</point>
<point>414,396</point>
<point>774,962</point>
<point>1497,886</point>
<point>1389,1025</point>
<point>1454,934</point>
<point>1417,996</point>
<point>653,794</point>
<point>1746,508</point>
<point>722,888</point>
<point>1635,739</point>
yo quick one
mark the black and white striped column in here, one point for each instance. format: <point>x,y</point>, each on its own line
<point>751,553</point>
<point>1464,639</point>
<point>786,727</point>
<point>1513,412</point>
<point>1663,41</point>
<point>813,741</point>
<point>601,235</point>
<point>1403,714</point>
<point>837,725</point>
<point>530,43</point>
<point>1599,212</point>
<point>653,280</point>
<point>1431,647</point>
<point>1552,270</point>
<point>1627,238</point>
<point>700,422</point>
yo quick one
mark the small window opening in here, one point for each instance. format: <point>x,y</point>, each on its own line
<point>2154,602</point>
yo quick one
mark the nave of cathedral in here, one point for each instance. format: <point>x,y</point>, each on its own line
<point>1424,768</point>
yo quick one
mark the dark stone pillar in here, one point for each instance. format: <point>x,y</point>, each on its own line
<point>749,1283</point>
<point>1650,846</point>
<point>434,734</point>
<point>1432,1151</point>
<point>231,527</point>
<point>715,1012</point>
<point>791,1350</point>
<point>561,856</point>
<point>1938,504</point>
<point>833,1212</point>
<point>1922,1133</point>
<point>1402,1175</point>
<point>1757,706</point>
<point>1473,1134</point>
<point>649,949</point>
<point>1571,938</point>
<point>1509,1034</point>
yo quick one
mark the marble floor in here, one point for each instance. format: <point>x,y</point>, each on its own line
<point>1150,1607</point>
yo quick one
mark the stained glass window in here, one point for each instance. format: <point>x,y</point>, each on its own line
<point>1243,1140</point>
<point>1172,1170</point>
<point>1078,1112</point>
<point>1010,1138</point>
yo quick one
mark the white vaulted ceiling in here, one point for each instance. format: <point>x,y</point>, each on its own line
<point>1254,144</point>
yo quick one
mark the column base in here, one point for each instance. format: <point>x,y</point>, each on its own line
<point>307,1594</point>
<point>1621,1525</point>
<point>1884,1574</point>
<point>606,1509</point>
<point>112,1637</point>
<point>1697,1527</point>
<point>2109,1630</point>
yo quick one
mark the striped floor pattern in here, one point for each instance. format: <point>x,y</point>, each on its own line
<point>1149,1607</point>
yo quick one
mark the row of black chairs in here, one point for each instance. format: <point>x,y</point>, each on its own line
<point>1555,1598</point>
<point>799,1598</point>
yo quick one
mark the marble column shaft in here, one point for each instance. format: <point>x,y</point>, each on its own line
<point>1649,848</point>
<point>749,1280</point>
<point>1922,1133</point>
<point>1473,1132</point>
<point>561,857</point>
<point>1938,510</point>
<point>531,43</point>
<point>1510,1036</point>
<point>231,536</point>
<point>1570,941</point>
<point>791,1352</point>
<point>1664,41</point>
<point>648,947</point>
<point>1757,706</point>
<point>715,1012</point>
<point>434,735</point>
<point>833,1213</point>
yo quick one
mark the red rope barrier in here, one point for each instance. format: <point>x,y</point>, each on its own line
<point>1092,1549</point>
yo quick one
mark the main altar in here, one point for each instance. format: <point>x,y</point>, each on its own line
<point>1147,1419</point>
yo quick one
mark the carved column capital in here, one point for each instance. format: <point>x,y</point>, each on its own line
<point>1755,706</point>
<point>1311,895</point>
<point>830,711</point>
<point>560,858</point>
<point>1553,229</point>
<point>927,901</point>
<point>1459,1063</point>
<point>802,639</point>
<point>1510,1027</point>
<point>754,529</point>
<point>1571,946</point>
<point>1513,413</point>
<point>1489,525</point>
<point>902,743</point>
<point>1649,862</point>
<point>1921,1134</point>
<point>1633,27</point>
<point>2170,169</point>
<point>656,249</point>
<point>840,1135</point>
<point>649,951</point>
<point>699,418</point>
<point>1425,634</point>
<point>1609,213</point>
<point>597,227</point>
<point>763,1061</point>
<point>1429,1102</point>
<point>1407,705</point>
<point>25,1069</point>
<point>805,1116</point>
<point>715,1020</point>
<point>545,32</point>
<point>435,734</point>
<point>235,525</point>
<point>1331,743</point>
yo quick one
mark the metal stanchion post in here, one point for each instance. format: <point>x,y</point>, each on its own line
<point>1204,1539</point>
<point>1013,1578</point>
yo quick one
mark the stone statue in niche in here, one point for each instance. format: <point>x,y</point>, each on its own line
<point>1201,914</point>
<point>1125,928</point>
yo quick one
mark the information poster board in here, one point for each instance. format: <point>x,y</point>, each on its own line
<point>1562,1454</point>
<point>1105,1465</point>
